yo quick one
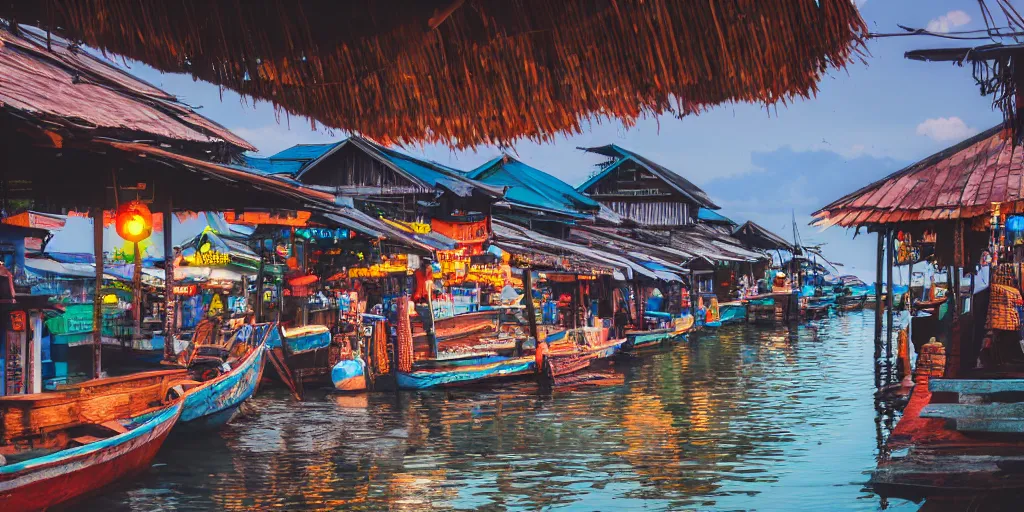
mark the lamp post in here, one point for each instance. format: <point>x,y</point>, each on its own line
<point>134,223</point>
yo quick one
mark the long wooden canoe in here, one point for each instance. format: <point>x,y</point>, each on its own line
<point>42,482</point>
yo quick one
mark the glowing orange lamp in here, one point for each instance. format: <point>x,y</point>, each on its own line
<point>134,222</point>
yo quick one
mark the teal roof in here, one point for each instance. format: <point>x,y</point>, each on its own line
<point>531,187</point>
<point>304,152</point>
<point>268,166</point>
<point>711,216</point>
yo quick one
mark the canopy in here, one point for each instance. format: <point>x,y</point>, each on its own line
<point>959,182</point>
<point>469,72</point>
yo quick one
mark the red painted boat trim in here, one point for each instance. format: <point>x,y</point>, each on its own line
<point>57,483</point>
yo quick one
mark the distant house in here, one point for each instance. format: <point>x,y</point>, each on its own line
<point>643,191</point>
<point>381,180</point>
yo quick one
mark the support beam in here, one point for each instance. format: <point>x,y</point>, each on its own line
<point>890,260</point>
<point>170,300</point>
<point>882,234</point>
<point>639,306</point>
<point>136,294</point>
<point>956,333</point>
<point>97,303</point>
<point>531,312</point>
<point>260,275</point>
<point>878,287</point>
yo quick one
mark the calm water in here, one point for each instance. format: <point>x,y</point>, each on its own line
<point>746,419</point>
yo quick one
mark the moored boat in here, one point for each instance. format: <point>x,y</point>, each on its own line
<point>60,456</point>
<point>498,367</point>
<point>732,312</point>
<point>638,341</point>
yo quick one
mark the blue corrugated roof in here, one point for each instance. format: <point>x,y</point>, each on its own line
<point>707,215</point>
<point>268,166</point>
<point>529,186</point>
<point>304,152</point>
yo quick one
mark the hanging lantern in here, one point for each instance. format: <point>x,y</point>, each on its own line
<point>134,221</point>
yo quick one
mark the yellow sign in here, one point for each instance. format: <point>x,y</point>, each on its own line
<point>208,259</point>
<point>416,227</point>
<point>216,305</point>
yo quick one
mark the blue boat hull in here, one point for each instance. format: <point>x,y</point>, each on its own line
<point>213,403</point>
<point>227,391</point>
<point>465,375</point>
<point>730,313</point>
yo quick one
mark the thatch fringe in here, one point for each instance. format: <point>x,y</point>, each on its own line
<point>493,71</point>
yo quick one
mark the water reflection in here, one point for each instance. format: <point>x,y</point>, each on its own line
<point>742,419</point>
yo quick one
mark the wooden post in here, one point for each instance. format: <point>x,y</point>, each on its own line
<point>531,312</point>
<point>136,294</point>
<point>97,306</point>
<point>910,303</point>
<point>638,299</point>
<point>170,301</point>
<point>258,306</point>
<point>890,259</point>
<point>878,306</point>
<point>953,350</point>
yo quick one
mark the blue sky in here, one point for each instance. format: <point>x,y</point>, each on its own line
<point>759,164</point>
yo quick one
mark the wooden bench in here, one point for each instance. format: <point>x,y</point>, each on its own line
<point>974,416</point>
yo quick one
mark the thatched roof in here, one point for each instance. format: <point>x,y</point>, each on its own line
<point>464,72</point>
<point>959,182</point>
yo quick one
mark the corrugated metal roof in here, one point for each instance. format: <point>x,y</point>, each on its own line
<point>427,173</point>
<point>268,166</point>
<point>531,187</point>
<point>681,184</point>
<point>712,216</point>
<point>304,152</point>
<point>961,181</point>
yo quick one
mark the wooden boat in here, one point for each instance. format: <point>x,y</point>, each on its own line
<point>639,341</point>
<point>815,311</point>
<point>732,312</point>
<point>65,444</point>
<point>577,351</point>
<point>851,302</point>
<point>307,352</point>
<point>219,377</point>
<point>465,372</point>
<point>213,403</point>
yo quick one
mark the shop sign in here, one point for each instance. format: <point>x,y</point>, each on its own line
<point>185,290</point>
<point>18,321</point>
<point>208,259</point>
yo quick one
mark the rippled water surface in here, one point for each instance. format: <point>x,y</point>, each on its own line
<point>744,419</point>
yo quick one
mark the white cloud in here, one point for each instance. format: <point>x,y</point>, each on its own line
<point>949,21</point>
<point>945,129</point>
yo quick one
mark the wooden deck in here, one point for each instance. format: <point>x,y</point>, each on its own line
<point>964,442</point>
